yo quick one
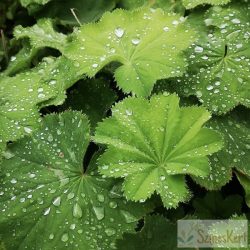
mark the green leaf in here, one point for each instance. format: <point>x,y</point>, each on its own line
<point>216,229</point>
<point>148,44</point>
<point>189,4</point>
<point>42,34</point>
<point>85,10</point>
<point>145,148</point>
<point>168,6</point>
<point>21,60</point>
<point>50,202</point>
<point>26,3</point>
<point>23,95</point>
<point>236,152</point>
<point>94,97</point>
<point>230,18</point>
<point>219,74</point>
<point>157,233</point>
<point>214,206</point>
<point>245,182</point>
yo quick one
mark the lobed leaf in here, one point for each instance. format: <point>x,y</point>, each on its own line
<point>47,199</point>
<point>153,144</point>
<point>219,63</point>
<point>147,44</point>
<point>22,96</point>
<point>235,154</point>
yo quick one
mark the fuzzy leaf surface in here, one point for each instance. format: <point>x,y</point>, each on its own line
<point>145,148</point>
<point>51,191</point>
<point>147,44</point>
<point>22,96</point>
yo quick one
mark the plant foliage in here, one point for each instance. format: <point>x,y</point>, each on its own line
<point>118,118</point>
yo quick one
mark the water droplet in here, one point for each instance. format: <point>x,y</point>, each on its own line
<point>100,197</point>
<point>27,130</point>
<point>47,210</point>
<point>129,218</point>
<point>119,32</point>
<point>65,237</point>
<point>210,87</point>
<point>99,212</point>
<point>135,41</point>
<point>235,21</point>
<point>112,204</point>
<point>198,49</point>
<point>77,211</point>
<point>165,28</point>
<point>70,196</point>
<point>162,178</point>
<point>110,231</point>
<point>57,201</point>
<point>129,112</point>
<point>50,138</point>
<point>95,65</point>
<point>13,181</point>
<point>51,236</point>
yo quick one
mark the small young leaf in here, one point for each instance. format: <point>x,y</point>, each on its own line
<point>50,202</point>
<point>153,144</point>
<point>148,44</point>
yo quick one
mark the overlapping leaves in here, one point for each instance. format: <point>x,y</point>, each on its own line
<point>219,62</point>
<point>48,200</point>
<point>22,95</point>
<point>148,44</point>
<point>144,148</point>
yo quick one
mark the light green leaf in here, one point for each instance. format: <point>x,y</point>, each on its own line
<point>168,6</point>
<point>94,97</point>
<point>21,60</point>
<point>42,34</point>
<point>23,95</point>
<point>236,152</point>
<point>189,4</point>
<point>148,44</point>
<point>153,144</point>
<point>52,203</point>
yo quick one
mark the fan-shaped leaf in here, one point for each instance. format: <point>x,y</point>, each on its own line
<point>148,44</point>
<point>49,202</point>
<point>154,144</point>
